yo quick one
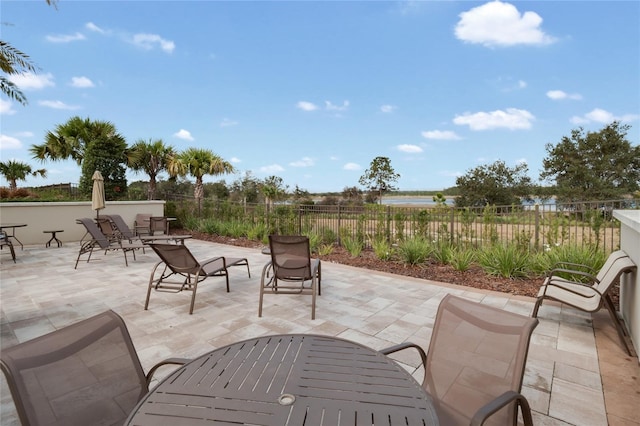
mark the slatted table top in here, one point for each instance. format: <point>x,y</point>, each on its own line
<point>288,380</point>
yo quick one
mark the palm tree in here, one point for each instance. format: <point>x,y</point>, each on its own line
<point>150,157</point>
<point>198,162</point>
<point>80,138</point>
<point>12,62</point>
<point>14,171</point>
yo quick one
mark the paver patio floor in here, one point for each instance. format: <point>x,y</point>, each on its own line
<point>563,380</point>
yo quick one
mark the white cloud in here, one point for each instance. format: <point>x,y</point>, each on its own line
<point>440,135</point>
<point>500,24</point>
<point>58,105</point>
<point>351,166</point>
<point>183,134</point>
<point>6,108</point>
<point>93,27</point>
<point>30,81</point>
<point>81,82</point>
<point>332,107</point>
<point>235,160</point>
<point>150,41</point>
<point>387,109</point>
<point>599,115</point>
<point>522,84</point>
<point>8,142</point>
<point>557,95</point>
<point>511,119</point>
<point>303,162</point>
<point>228,123</point>
<point>62,38</point>
<point>409,148</point>
<point>306,106</point>
<point>272,168</point>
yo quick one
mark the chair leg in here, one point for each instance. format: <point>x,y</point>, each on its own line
<point>534,314</point>
<point>265,272</point>
<point>314,283</point>
<point>193,295</point>
<point>619,327</point>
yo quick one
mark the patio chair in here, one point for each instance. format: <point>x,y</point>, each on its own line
<point>142,224</point>
<point>5,241</point>
<point>291,264</point>
<point>563,285</point>
<point>85,374</point>
<point>475,363</point>
<point>107,228</point>
<point>124,231</point>
<point>98,239</point>
<point>158,224</point>
<point>182,271</point>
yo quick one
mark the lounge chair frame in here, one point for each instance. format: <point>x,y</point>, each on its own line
<point>98,239</point>
<point>5,241</point>
<point>291,266</point>
<point>125,232</point>
<point>588,296</point>
<point>180,271</point>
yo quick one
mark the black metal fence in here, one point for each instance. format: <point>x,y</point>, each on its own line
<point>536,226</point>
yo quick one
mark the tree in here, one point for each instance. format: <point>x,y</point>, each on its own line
<point>301,196</point>
<point>73,139</point>
<point>150,157</point>
<point>379,177</point>
<point>13,62</point>
<point>14,171</point>
<point>218,190</point>
<point>352,196</point>
<point>274,189</point>
<point>600,165</point>
<point>494,184</point>
<point>198,162</point>
<point>247,188</point>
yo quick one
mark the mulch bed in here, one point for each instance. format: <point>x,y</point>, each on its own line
<point>474,277</point>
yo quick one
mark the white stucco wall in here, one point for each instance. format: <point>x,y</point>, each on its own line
<point>41,216</point>
<point>630,283</point>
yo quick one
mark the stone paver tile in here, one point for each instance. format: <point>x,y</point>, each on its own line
<point>576,404</point>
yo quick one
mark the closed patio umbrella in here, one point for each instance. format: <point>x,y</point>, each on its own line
<point>97,196</point>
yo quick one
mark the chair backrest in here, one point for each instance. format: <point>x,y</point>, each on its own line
<point>290,256</point>
<point>85,374</point>
<point>158,223</point>
<point>476,353</point>
<point>609,276</point>
<point>4,239</point>
<point>95,232</point>
<point>177,257</point>
<point>121,226</point>
<point>106,227</point>
<point>613,257</point>
<point>142,222</point>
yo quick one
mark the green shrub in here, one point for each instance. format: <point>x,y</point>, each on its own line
<point>462,259</point>
<point>325,249</point>
<point>414,250</point>
<point>504,260</point>
<point>353,246</point>
<point>543,262</point>
<point>443,252</point>
<point>382,249</point>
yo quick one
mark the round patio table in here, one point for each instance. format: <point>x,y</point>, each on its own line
<point>13,227</point>
<point>292,379</point>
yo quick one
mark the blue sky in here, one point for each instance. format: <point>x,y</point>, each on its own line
<point>313,91</point>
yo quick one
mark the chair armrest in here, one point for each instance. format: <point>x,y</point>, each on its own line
<point>563,285</point>
<point>503,400</point>
<point>573,272</point>
<point>168,361</point>
<point>405,345</point>
<point>573,266</point>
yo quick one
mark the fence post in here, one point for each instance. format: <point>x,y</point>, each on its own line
<point>453,224</point>
<point>299,219</point>
<point>339,220</point>
<point>537,226</point>
<point>388,223</point>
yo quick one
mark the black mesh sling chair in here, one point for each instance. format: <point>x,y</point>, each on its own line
<point>85,374</point>
<point>100,241</point>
